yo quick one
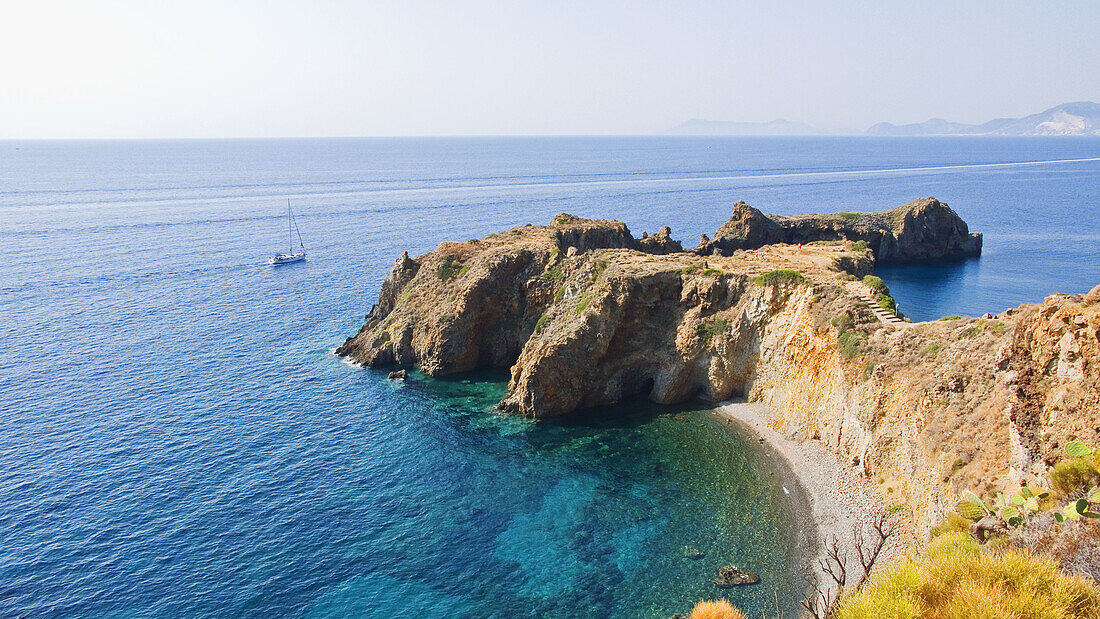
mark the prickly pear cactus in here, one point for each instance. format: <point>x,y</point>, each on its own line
<point>970,510</point>
<point>1077,449</point>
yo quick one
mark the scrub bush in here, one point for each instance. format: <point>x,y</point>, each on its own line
<point>781,276</point>
<point>874,283</point>
<point>718,609</point>
<point>958,578</point>
<point>1073,475</point>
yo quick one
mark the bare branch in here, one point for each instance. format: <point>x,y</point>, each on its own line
<point>868,539</point>
<point>882,529</point>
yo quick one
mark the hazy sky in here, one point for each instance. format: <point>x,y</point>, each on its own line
<point>332,68</point>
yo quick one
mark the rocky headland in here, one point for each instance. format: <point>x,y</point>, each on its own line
<point>921,230</point>
<point>584,314</point>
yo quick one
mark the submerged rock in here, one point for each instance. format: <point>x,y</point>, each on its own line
<point>398,375</point>
<point>691,552</point>
<point>733,576</point>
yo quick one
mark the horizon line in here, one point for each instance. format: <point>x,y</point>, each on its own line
<point>665,134</point>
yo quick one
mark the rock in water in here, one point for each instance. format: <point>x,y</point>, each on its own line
<point>691,552</point>
<point>924,229</point>
<point>399,375</point>
<point>733,576</point>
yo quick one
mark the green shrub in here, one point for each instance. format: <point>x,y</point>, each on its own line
<point>560,294</point>
<point>1073,475</point>
<point>887,302</point>
<point>711,328</point>
<point>956,578</point>
<point>450,267</point>
<point>583,303</point>
<point>849,342</point>
<point>969,333</point>
<point>860,246</point>
<point>932,349</point>
<point>554,253</point>
<point>689,269</point>
<point>996,327</point>
<point>874,283</point>
<point>601,266</point>
<point>849,216</point>
<point>542,322</point>
<point>781,276</point>
<point>952,523</point>
<point>554,274</point>
<point>712,272</point>
<point>843,322</point>
<point>951,317</point>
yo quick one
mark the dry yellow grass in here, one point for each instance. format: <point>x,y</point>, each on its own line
<point>957,578</point>
<point>718,609</point>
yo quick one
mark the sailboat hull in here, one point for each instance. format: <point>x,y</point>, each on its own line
<point>286,258</point>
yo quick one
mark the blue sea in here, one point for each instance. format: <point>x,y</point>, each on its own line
<point>177,440</point>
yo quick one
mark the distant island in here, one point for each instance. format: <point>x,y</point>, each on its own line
<point>779,126</point>
<point>1080,118</point>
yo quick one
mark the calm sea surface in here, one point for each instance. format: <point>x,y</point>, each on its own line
<point>176,439</point>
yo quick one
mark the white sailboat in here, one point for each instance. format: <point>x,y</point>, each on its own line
<point>291,256</point>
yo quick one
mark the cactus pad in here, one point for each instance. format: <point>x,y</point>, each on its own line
<point>970,510</point>
<point>1077,449</point>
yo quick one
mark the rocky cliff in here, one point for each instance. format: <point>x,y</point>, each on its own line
<point>582,291</point>
<point>924,229</point>
<point>586,315</point>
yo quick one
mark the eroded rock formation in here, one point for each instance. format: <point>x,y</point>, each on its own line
<point>585,315</point>
<point>923,229</point>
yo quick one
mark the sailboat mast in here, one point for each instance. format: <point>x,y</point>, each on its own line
<point>289,227</point>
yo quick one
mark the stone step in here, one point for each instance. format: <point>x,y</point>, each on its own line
<point>881,313</point>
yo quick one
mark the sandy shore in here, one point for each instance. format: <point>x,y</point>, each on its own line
<point>833,492</point>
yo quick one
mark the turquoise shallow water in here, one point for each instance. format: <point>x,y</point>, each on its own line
<point>177,440</point>
<point>571,518</point>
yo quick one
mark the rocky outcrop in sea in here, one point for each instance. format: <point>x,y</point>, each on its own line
<point>584,314</point>
<point>924,229</point>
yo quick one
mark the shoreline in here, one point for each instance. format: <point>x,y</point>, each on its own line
<point>832,494</point>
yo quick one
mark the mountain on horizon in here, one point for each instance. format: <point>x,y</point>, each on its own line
<point>779,126</point>
<point>1077,118</point>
